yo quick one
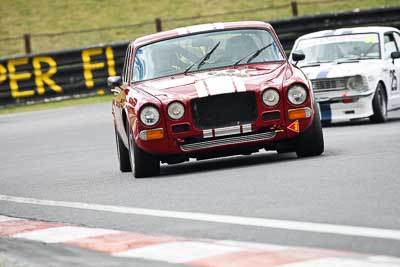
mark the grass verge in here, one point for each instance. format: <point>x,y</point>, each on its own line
<point>58,104</point>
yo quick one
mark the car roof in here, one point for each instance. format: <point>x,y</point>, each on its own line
<point>377,29</point>
<point>199,28</point>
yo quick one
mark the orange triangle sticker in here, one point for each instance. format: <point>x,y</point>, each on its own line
<point>294,126</point>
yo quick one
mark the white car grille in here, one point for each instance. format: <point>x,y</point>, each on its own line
<point>329,84</point>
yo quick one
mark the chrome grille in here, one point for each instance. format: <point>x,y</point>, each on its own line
<point>329,84</point>
<point>228,141</point>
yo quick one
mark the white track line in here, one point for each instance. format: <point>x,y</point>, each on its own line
<point>178,252</point>
<point>7,219</point>
<point>63,234</point>
<point>250,245</point>
<point>338,262</point>
<point>392,234</point>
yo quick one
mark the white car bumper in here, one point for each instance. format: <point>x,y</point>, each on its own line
<point>345,108</point>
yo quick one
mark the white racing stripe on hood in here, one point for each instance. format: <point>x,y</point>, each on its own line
<point>220,85</point>
<point>239,83</point>
<point>201,89</point>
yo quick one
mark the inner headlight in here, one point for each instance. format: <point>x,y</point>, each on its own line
<point>176,110</point>
<point>355,83</point>
<point>270,97</point>
<point>297,94</point>
<point>149,116</point>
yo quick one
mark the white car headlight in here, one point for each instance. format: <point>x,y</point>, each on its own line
<point>270,97</point>
<point>176,110</point>
<point>355,83</point>
<point>149,116</point>
<point>297,94</point>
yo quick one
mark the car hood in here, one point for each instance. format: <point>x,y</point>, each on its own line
<point>335,70</point>
<point>214,82</point>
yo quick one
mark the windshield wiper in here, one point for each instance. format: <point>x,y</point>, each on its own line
<point>316,63</point>
<point>254,54</point>
<point>320,61</point>
<point>203,59</point>
<point>311,65</point>
<point>352,59</point>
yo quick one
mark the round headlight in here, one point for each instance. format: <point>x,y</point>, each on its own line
<point>297,94</point>
<point>270,97</point>
<point>355,83</point>
<point>149,116</point>
<point>176,110</point>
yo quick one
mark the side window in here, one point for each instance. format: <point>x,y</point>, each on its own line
<point>397,38</point>
<point>125,75</point>
<point>128,68</point>
<point>390,44</point>
<point>124,78</point>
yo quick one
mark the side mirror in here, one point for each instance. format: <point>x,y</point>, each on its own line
<point>114,81</point>
<point>395,55</point>
<point>298,56</point>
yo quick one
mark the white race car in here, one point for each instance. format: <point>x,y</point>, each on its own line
<point>355,72</point>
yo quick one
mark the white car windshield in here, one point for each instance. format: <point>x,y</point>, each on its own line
<point>339,48</point>
<point>204,51</point>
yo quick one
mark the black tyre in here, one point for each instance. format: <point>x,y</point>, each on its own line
<point>284,150</point>
<point>311,141</point>
<point>123,154</point>
<point>379,105</point>
<point>144,164</point>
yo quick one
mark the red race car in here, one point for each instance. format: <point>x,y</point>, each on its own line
<point>209,91</point>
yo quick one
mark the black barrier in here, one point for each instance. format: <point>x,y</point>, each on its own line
<point>84,71</point>
<point>66,73</point>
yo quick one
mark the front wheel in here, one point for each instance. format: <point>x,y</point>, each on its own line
<point>143,164</point>
<point>311,141</point>
<point>379,105</point>
<point>123,154</point>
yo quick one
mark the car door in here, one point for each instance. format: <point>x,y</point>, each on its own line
<point>393,88</point>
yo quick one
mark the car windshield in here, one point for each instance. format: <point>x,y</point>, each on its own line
<point>339,48</point>
<point>204,51</point>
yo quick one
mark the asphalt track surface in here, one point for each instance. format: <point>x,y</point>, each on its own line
<point>69,155</point>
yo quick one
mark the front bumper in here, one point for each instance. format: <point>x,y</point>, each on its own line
<point>236,140</point>
<point>242,138</point>
<point>344,107</point>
